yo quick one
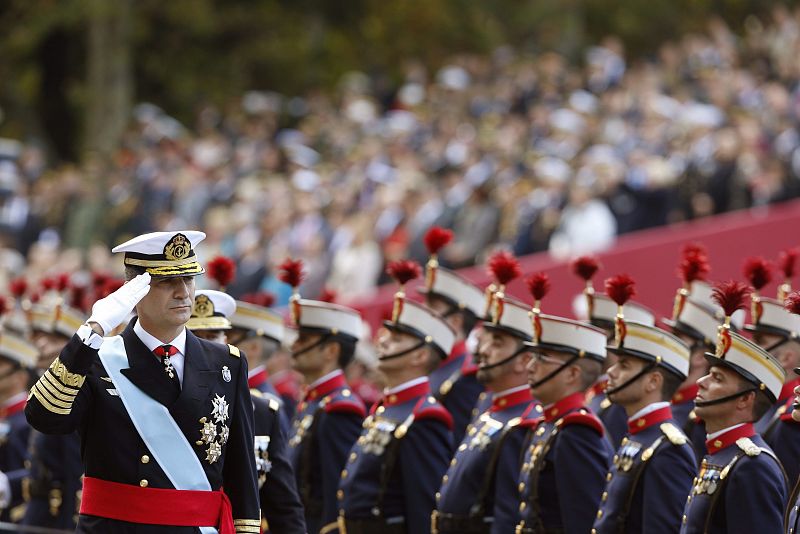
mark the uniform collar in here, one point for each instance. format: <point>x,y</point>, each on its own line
<point>685,394</point>
<point>321,387</point>
<point>725,438</point>
<point>13,405</point>
<point>511,397</point>
<point>600,386</point>
<point>564,406</point>
<point>406,391</point>
<point>655,413</point>
<point>788,389</point>
<point>152,342</point>
<point>257,376</point>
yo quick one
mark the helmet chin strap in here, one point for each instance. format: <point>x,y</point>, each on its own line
<point>314,345</point>
<point>513,355</point>
<point>646,369</point>
<point>402,352</point>
<point>554,373</point>
<point>703,404</point>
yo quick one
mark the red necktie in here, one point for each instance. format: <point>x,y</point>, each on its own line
<point>165,350</point>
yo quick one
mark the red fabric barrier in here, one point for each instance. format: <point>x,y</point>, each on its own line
<point>651,257</point>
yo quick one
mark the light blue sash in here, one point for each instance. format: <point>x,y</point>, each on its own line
<point>159,431</point>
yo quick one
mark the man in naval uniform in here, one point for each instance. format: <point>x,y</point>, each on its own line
<point>565,463</point>
<point>389,482</point>
<point>165,418</point>
<point>56,467</point>
<point>479,491</point>
<point>653,468</point>
<point>281,510</point>
<point>328,419</point>
<point>460,303</point>
<point>17,362</point>
<point>778,332</point>
<point>740,487</point>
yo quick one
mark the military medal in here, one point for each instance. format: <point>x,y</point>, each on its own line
<point>226,373</point>
<point>168,368</point>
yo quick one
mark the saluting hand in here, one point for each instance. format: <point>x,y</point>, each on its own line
<point>110,311</point>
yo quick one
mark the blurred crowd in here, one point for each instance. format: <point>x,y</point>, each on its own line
<point>521,150</point>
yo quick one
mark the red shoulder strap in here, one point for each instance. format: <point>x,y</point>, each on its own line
<point>585,419</point>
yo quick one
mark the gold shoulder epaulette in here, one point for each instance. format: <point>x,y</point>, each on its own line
<point>274,405</point>
<point>749,448</point>
<point>673,433</point>
<point>514,422</point>
<point>256,393</point>
<point>605,404</point>
<point>234,351</point>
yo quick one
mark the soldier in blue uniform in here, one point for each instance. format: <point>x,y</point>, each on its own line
<point>740,487</point>
<point>396,466</point>
<point>159,411</point>
<point>653,468</point>
<point>696,324</point>
<point>478,493</point>
<point>460,303</point>
<point>17,362</point>
<point>777,331</point>
<point>281,510</point>
<point>601,313</point>
<point>566,460</point>
<point>259,333</point>
<point>328,419</point>
<point>56,467</point>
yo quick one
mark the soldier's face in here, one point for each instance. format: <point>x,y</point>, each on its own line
<point>542,363</point>
<point>168,302</point>
<point>217,336</point>
<point>495,347</point>
<point>307,353</point>
<point>718,383</point>
<point>393,342</point>
<point>623,370</point>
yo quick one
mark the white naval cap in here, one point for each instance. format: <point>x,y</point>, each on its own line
<point>566,335</point>
<point>18,350</point>
<point>423,323</point>
<point>258,319</point>
<point>750,361</point>
<point>325,317</point>
<point>772,318</point>
<point>655,345</point>
<point>164,254</point>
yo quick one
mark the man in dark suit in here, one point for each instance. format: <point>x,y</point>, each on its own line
<point>165,418</point>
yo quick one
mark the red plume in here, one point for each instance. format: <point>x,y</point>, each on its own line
<point>620,288</point>
<point>788,262</point>
<point>731,296</point>
<point>3,305</point>
<point>403,271</point>
<point>222,270</point>
<point>694,249</point>
<point>693,267</point>
<point>328,295</point>
<point>261,298</point>
<point>18,287</point>
<point>436,238</point>
<point>291,272</point>
<point>62,281</point>
<point>792,302</point>
<point>48,284</point>
<point>585,267</point>
<point>504,267</point>
<point>758,271</point>
<point>538,285</point>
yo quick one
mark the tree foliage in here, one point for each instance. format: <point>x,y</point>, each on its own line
<point>185,52</point>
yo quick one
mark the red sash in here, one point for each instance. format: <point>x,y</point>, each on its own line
<point>154,506</point>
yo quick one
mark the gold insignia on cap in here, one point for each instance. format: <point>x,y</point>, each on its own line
<point>177,248</point>
<point>203,307</point>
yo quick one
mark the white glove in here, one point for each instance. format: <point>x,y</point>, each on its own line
<point>5,491</point>
<point>110,311</point>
